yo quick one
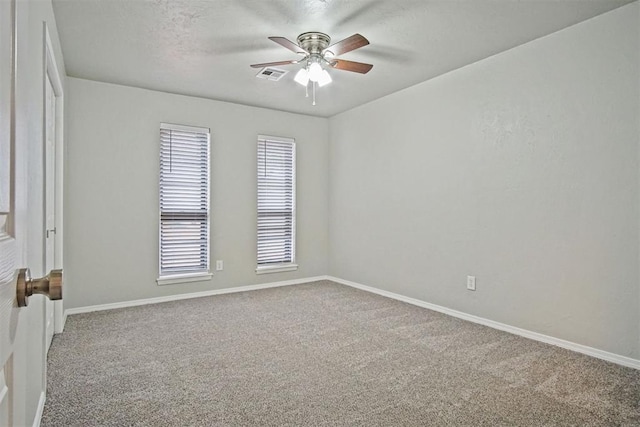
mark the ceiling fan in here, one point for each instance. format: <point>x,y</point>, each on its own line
<point>316,53</point>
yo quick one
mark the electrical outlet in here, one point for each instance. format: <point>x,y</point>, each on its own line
<point>471,283</point>
<point>219,265</point>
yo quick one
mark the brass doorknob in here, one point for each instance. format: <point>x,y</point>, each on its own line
<point>50,286</point>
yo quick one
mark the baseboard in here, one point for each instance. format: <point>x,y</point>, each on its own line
<point>38,417</point>
<point>579,348</point>
<point>168,298</point>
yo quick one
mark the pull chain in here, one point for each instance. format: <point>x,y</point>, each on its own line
<point>314,93</point>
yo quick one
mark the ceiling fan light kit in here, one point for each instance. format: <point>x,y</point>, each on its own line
<point>317,51</point>
<point>324,79</point>
<point>302,77</point>
<point>315,71</point>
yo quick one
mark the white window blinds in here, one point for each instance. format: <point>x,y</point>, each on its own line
<point>276,201</point>
<point>184,200</point>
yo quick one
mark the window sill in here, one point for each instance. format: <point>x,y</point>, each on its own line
<point>183,278</point>
<point>265,269</point>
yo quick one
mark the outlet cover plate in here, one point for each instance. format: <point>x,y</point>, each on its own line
<point>471,283</point>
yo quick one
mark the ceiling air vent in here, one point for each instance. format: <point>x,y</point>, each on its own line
<point>270,73</point>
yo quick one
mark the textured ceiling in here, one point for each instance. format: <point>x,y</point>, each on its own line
<point>204,48</point>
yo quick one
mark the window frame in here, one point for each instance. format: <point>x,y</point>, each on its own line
<point>185,277</point>
<point>282,266</point>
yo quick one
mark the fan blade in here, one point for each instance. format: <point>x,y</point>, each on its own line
<point>288,44</point>
<point>356,67</point>
<point>269,64</point>
<point>347,45</point>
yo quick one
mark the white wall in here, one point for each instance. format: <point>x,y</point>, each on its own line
<point>111,203</point>
<point>521,169</point>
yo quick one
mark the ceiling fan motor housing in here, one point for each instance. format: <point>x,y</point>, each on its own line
<point>314,42</point>
<point>316,49</point>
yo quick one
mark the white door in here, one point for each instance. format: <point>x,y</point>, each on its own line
<point>10,318</point>
<point>22,338</point>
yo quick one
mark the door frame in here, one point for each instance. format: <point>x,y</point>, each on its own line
<point>50,71</point>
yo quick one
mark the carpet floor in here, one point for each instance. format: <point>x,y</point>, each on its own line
<point>320,354</point>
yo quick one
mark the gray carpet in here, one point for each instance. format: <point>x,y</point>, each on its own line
<point>320,354</point>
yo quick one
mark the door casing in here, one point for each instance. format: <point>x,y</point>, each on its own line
<point>55,309</point>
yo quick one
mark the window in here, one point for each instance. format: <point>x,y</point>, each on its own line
<point>184,203</point>
<point>276,204</point>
